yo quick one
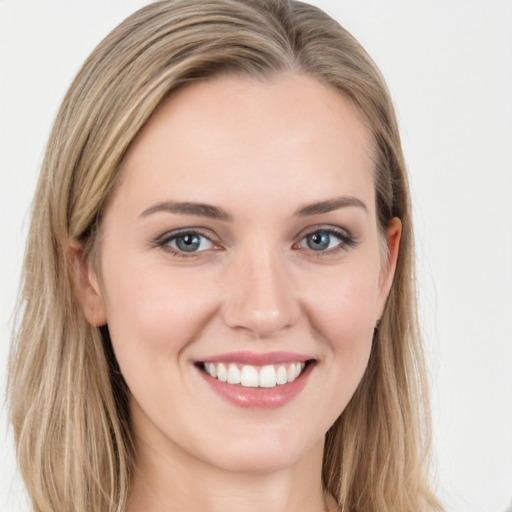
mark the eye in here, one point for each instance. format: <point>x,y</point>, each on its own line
<point>325,240</point>
<point>187,242</point>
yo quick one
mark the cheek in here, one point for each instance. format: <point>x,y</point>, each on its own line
<point>152,314</point>
<point>341,308</point>
<point>343,313</point>
<point>344,306</point>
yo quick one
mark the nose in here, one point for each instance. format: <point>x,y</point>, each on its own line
<point>261,297</point>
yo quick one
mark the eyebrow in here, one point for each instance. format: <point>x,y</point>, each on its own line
<point>189,208</point>
<point>214,212</point>
<point>330,205</point>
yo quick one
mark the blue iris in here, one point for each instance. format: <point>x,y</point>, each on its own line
<point>318,241</point>
<point>188,243</point>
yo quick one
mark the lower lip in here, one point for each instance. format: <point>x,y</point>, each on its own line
<point>259,398</point>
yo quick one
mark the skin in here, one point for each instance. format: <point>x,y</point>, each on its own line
<point>260,151</point>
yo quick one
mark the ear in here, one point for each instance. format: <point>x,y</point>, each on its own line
<point>87,286</point>
<point>393,234</point>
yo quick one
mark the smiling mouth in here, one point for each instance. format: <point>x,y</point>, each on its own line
<point>249,376</point>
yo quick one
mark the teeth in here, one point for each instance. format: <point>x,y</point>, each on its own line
<point>281,375</point>
<point>249,377</point>
<point>268,376</point>
<point>233,374</point>
<point>222,373</point>
<point>291,373</point>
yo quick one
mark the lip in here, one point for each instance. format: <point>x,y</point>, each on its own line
<point>258,398</point>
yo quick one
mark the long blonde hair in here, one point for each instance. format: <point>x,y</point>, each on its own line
<point>68,399</point>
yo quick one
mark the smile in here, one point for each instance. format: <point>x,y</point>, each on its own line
<point>268,376</point>
<point>257,380</point>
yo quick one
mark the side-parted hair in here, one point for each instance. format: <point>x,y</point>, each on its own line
<point>68,399</point>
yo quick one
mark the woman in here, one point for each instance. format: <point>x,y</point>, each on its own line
<point>218,306</point>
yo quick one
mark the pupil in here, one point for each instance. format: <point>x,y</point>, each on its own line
<point>319,241</point>
<point>188,243</point>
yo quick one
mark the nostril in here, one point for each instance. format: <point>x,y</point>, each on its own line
<point>258,322</point>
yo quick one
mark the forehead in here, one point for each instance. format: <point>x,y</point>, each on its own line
<point>259,139</point>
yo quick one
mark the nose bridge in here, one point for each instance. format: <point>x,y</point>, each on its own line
<point>260,297</point>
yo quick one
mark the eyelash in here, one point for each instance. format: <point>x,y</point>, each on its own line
<point>346,241</point>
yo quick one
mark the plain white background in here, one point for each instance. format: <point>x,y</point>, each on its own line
<point>448,64</point>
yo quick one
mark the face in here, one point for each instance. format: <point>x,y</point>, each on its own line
<point>241,270</point>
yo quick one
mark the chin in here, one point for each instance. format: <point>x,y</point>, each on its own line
<point>265,454</point>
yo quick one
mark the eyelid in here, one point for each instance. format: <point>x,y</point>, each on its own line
<point>324,227</point>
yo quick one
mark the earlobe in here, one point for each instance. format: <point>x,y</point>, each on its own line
<point>393,235</point>
<point>87,287</point>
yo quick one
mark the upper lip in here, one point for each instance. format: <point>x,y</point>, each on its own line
<point>257,358</point>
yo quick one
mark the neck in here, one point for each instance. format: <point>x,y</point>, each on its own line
<point>174,481</point>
